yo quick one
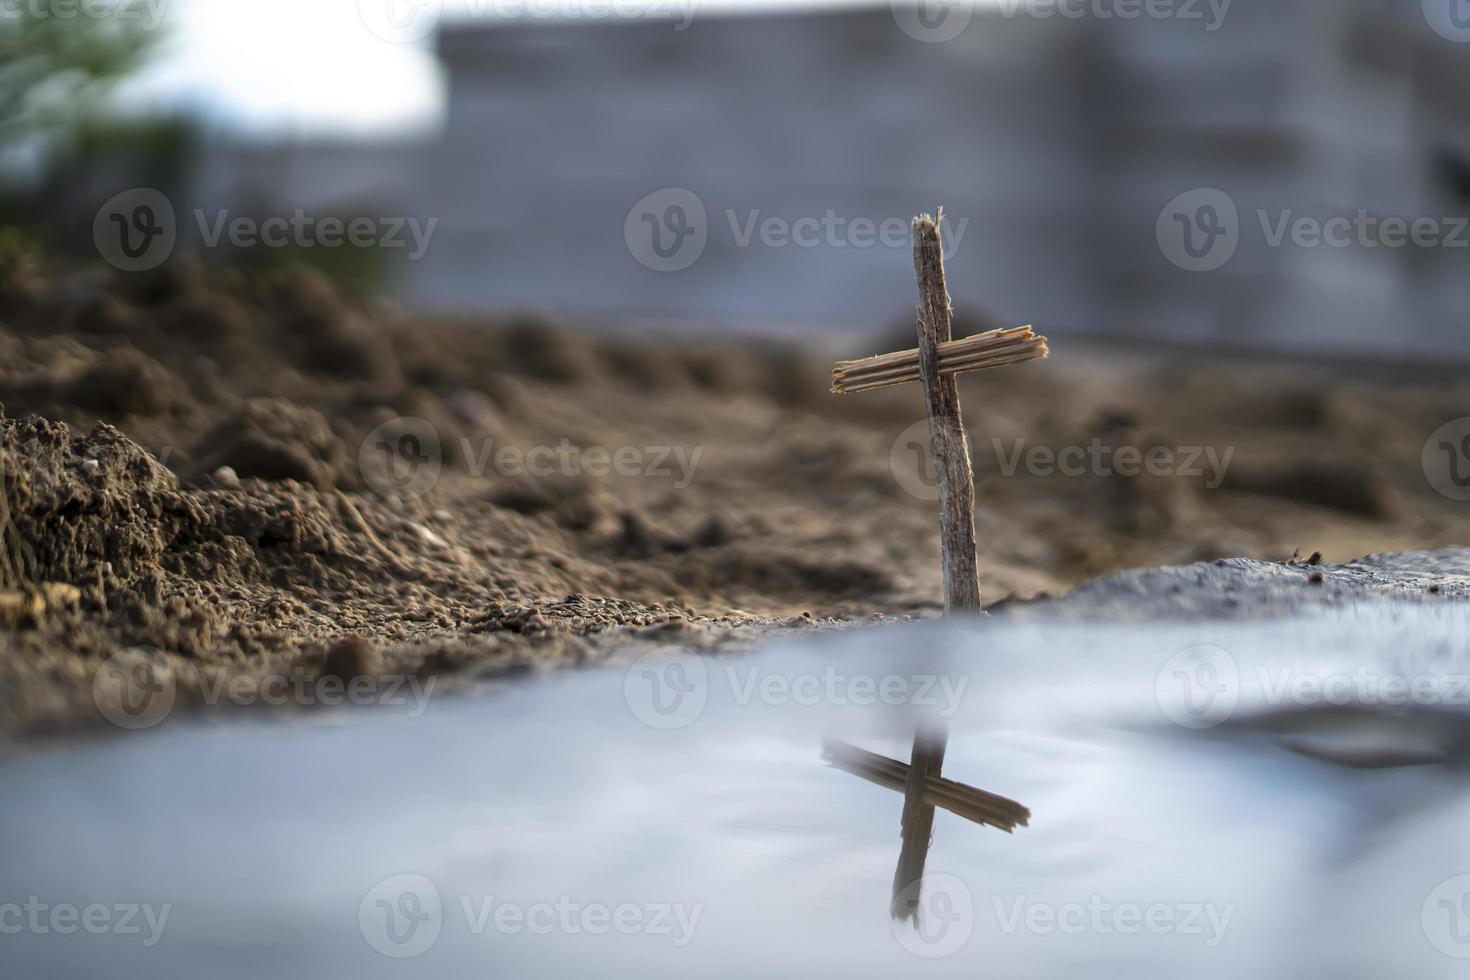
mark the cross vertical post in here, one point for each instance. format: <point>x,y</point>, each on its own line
<point>935,363</point>
<point>946,425</point>
<point>917,819</point>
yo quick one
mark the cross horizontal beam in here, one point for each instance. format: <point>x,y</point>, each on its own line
<point>993,349</point>
<point>973,804</point>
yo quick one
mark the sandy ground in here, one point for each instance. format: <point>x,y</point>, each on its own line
<point>232,477</point>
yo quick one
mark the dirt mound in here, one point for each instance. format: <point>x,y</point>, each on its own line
<point>272,439</point>
<point>82,509</point>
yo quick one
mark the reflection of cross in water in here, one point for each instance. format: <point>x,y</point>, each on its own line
<point>934,365</point>
<point>923,789</point>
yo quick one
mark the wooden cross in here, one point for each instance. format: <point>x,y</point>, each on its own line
<point>923,789</point>
<point>934,364</point>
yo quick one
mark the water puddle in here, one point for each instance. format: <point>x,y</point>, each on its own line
<point>1280,799</point>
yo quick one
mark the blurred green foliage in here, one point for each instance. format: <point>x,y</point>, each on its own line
<point>60,63</point>
<point>56,71</point>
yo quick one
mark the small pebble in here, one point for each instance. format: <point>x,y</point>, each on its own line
<point>226,478</point>
<point>90,466</point>
<point>427,535</point>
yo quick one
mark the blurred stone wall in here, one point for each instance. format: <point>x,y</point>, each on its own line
<point>1082,163</point>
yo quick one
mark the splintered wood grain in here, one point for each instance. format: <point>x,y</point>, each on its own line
<point>946,426</point>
